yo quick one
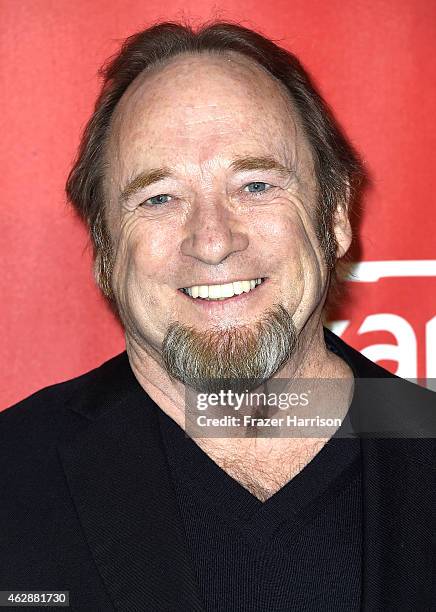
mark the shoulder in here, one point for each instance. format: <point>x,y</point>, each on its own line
<point>44,414</point>
<point>388,405</point>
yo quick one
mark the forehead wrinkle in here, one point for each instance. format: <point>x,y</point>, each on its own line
<point>281,120</point>
<point>235,72</point>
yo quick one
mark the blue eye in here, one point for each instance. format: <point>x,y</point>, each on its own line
<point>257,187</point>
<point>162,198</point>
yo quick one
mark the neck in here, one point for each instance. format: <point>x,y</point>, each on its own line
<point>311,360</point>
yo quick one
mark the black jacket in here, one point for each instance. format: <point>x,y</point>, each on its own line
<point>87,503</point>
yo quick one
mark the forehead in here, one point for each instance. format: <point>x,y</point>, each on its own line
<point>202,106</point>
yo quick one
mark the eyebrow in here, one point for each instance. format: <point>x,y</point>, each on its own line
<point>240,164</point>
<point>144,179</point>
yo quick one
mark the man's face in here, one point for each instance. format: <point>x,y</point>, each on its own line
<point>211,187</point>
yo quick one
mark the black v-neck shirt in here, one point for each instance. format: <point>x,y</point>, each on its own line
<point>299,550</point>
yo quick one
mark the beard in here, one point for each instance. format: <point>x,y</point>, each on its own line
<point>239,358</point>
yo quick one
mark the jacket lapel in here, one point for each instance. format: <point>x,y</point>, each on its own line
<point>399,519</point>
<point>398,485</point>
<point>121,487</point>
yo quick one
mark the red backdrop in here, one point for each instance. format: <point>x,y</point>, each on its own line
<point>375,63</point>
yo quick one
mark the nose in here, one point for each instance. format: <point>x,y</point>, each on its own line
<point>212,234</point>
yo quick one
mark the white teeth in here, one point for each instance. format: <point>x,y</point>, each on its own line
<point>215,291</point>
<point>227,290</point>
<point>221,292</point>
<point>237,288</point>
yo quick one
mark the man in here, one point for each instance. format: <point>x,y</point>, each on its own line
<point>216,187</point>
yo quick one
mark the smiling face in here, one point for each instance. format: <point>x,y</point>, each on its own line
<point>212,214</point>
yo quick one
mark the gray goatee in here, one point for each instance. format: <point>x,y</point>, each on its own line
<point>238,358</point>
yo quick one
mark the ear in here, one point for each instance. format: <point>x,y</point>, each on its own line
<point>342,229</point>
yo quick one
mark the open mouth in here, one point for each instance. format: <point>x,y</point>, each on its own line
<point>221,292</point>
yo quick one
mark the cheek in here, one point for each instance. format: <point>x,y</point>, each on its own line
<point>309,274</point>
<point>292,246</point>
<point>304,247</point>
<point>141,261</point>
<point>287,237</point>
